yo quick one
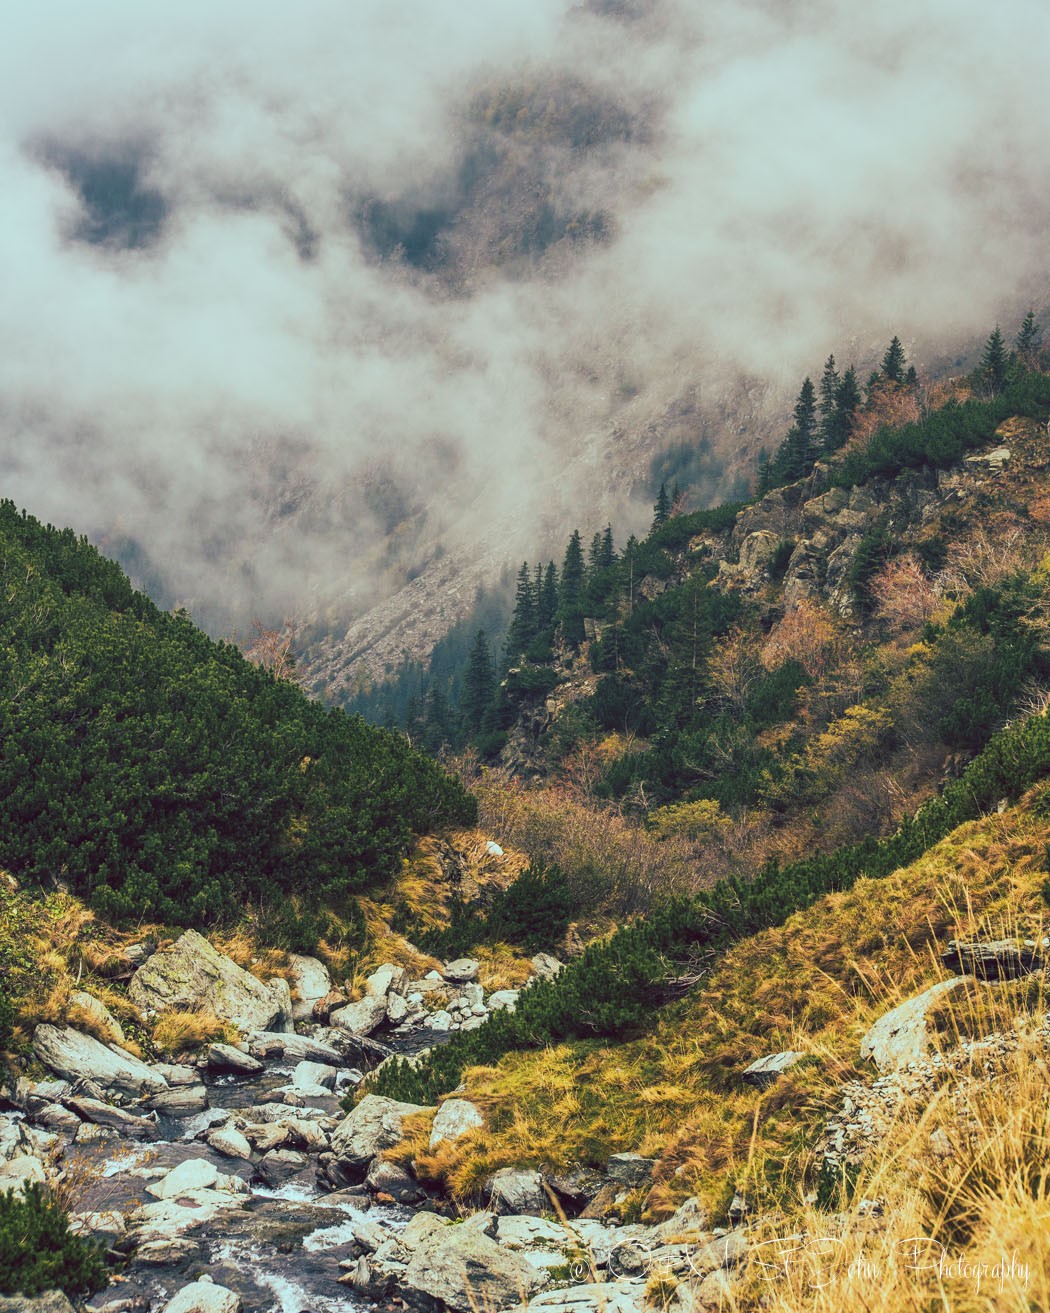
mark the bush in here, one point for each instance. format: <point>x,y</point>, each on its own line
<point>532,913</point>
<point>37,1252</point>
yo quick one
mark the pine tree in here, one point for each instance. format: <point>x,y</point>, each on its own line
<point>479,684</point>
<point>608,553</point>
<point>594,557</point>
<point>911,377</point>
<point>893,362</point>
<point>829,390</point>
<point>662,508</point>
<point>523,622</point>
<point>764,481</point>
<point>1028,342</point>
<point>994,363</point>
<point>795,458</point>
<point>547,606</point>
<point>847,402</point>
<point>570,594</point>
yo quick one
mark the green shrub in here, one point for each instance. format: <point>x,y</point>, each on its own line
<point>532,912</point>
<point>37,1252</point>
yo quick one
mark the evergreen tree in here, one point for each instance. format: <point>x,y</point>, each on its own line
<point>608,552</point>
<point>994,363</point>
<point>594,558</point>
<point>893,362</point>
<point>829,391</point>
<point>570,594</point>
<point>523,623</point>
<point>911,377</point>
<point>662,508</point>
<point>795,458</point>
<point>871,388</point>
<point>479,685</point>
<point>547,607</point>
<point>1028,342</point>
<point>847,402</point>
<point>764,481</point>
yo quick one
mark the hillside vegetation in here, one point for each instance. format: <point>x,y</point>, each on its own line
<point>162,776</point>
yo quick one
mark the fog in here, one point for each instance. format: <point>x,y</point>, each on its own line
<point>296,297</point>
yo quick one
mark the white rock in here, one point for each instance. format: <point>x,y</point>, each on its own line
<point>21,1171</point>
<point>503,998</point>
<point>362,1017</point>
<point>440,1020</point>
<point>387,979</point>
<point>454,1118</point>
<point>900,1036</point>
<point>204,1296</point>
<point>461,970</point>
<point>313,1074</point>
<point>230,1142</point>
<point>77,1056</point>
<point>397,1009</point>
<point>194,1174</point>
<point>545,966</point>
<point>372,1126</point>
<point>311,982</point>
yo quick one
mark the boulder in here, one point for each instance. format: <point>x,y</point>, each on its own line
<point>900,1036</point>
<point>503,998</point>
<point>371,1127</point>
<point>184,1101</point>
<point>461,970</point>
<point>56,1118</point>
<point>996,959</point>
<point>299,1047</point>
<point>765,1071</point>
<point>362,1017</point>
<point>80,1057</point>
<point>230,1143</point>
<point>440,1020</point>
<point>169,1219</point>
<point>225,1057</point>
<point>108,1226</point>
<point>389,1178</point>
<point>191,1176</point>
<point>176,1073</point>
<point>324,1007</point>
<point>630,1170</point>
<point>117,1119</point>
<point>279,1165</point>
<point>397,1009</point>
<point>513,1190</point>
<point>204,1296</point>
<point>545,966</point>
<point>687,1223</point>
<point>465,1270</point>
<point>311,982</point>
<point>576,1188</point>
<point>387,979</point>
<point>454,1118</point>
<point>192,975</point>
<point>595,1297</point>
<point>313,1075</point>
<point>18,1172</point>
<point>103,1019</point>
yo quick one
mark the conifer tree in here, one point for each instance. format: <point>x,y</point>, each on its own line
<point>570,594</point>
<point>829,391</point>
<point>764,481</point>
<point>547,607</point>
<point>608,552</point>
<point>1028,342</point>
<point>479,683</point>
<point>662,508</point>
<point>523,622</point>
<point>893,362</point>
<point>994,363</point>
<point>847,402</point>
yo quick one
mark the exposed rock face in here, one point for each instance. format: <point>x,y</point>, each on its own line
<point>192,974</point>
<point>999,959</point>
<point>104,1114</point>
<point>630,1169</point>
<point>230,1143</point>
<point>596,1297</point>
<point>374,1125</point>
<point>465,1270</point>
<point>901,1035</point>
<point>80,1057</point>
<point>52,1301</point>
<point>454,1118</point>
<point>387,979</point>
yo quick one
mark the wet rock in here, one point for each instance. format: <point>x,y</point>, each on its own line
<point>195,1174</point>
<point>630,1169</point>
<point>79,1057</point>
<point>226,1057</point>
<point>512,1190</point>
<point>372,1126</point>
<point>362,1017</point>
<point>194,975</point>
<point>900,1036</point>
<point>173,1252</point>
<point>313,1075</point>
<point>461,970</point>
<point>765,1071</point>
<point>103,1019</point>
<point>454,1118</point>
<point>117,1119</point>
<point>184,1101</point>
<point>311,982</point>
<point>169,1219</point>
<point>230,1142</point>
<point>204,1296</point>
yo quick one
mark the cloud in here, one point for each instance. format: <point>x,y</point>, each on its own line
<point>297,297</point>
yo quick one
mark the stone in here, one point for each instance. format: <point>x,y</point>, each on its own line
<point>103,1019</point>
<point>465,1270</point>
<point>524,1232</point>
<point>765,1071</point>
<point>461,970</point>
<point>167,1253</point>
<point>389,1178</point>
<point>204,1296</point>
<point>313,1074</point>
<point>900,1036</point>
<point>545,966</point>
<point>299,1047</point>
<point>230,1143</point>
<point>440,1020</point>
<point>311,982</point>
<point>362,1017</point>
<point>503,998</point>
<point>576,1188</point>
<point>397,1009</point>
<point>193,1175</point>
<point>514,1190</point>
<point>184,1101</point>
<point>324,1007</point>
<point>226,1057</point>
<point>57,1118</point>
<point>278,1165</point>
<point>727,1251</point>
<point>79,1057</point>
<point>116,1119</point>
<point>18,1172</point>
<point>630,1170</point>
<point>176,1073</point>
<point>108,1226</point>
<point>306,1135</point>
<point>168,1219</point>
<point>387,979</point>
<point>454,1118</point>
<point>372,1126</point>
<point>594,1297</point>
<point>192,975</point>
<point>997,959</point>
<point>687,1223</point>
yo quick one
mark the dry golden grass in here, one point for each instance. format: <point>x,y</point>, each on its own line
<point>814,984</point>
<point>178,1031</point>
